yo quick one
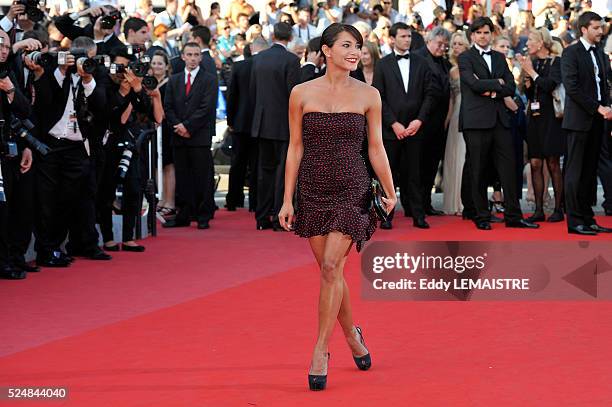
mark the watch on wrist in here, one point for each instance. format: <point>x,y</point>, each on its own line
<point>11,90</point>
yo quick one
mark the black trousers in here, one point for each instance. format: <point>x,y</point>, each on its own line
<point>583,153</point>
<point>270,178</point>
<point>604,170</point>
<point>494,144</point>
<point>194,183</point>
<point>62,179</point>
<point>433,152</point>
<point>244,161</point>
<point>405,158</point>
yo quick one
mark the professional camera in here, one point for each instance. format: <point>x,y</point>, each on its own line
<point>140,67</point>
<point>134,145</point>
<point>22,128</point>
<point>149,82</point>
<point>89,65</point>
<point>108,21</point>
<point>44,59</point>
<point>31,9</point>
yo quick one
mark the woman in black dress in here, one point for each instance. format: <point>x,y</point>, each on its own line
<point>329,118</point>
<point>545,139</point>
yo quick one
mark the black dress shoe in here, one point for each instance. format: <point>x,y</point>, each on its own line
<point>276,226</point>
<point>264,224</point>
<point>51,261</point>
<point>203,225</point>
<point>318,382</point>
<point>136,249</point>
<point>114,248</point>
<point>495,219</point>
<point>536,217</point>
<point>522,223</point>
<point>172,223</point>
<point>64,256</point>
<point>484,225</point>
<point>230,208</point>
<point>581,230</point>
<point>599,229</point>
<point>420,223</point>
<point>608,212</point>
<point>11,273</point>
<point>467,216</point>
<point>557,216</point>
<point>22,265</point>
<point>387,225</point>
<point>97,254</point>
<point>434,212</point>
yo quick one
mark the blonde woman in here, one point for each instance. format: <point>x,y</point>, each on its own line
<point>546,141</point>
<point>370,55</point>
<point>454,155</point>
<point>383,25</point>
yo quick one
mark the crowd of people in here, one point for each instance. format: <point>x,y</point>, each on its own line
<point>471,93</point>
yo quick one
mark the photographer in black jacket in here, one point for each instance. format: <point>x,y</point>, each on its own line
<point>133,109</point>
<point>101,28</point>
<point>68,99</point>
<point>15,162</point>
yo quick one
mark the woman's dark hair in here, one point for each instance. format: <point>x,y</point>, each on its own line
<point>481,22</point>
<point>214,5</point>
<point>330,35</point>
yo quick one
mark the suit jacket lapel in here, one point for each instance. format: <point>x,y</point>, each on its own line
<point>181,87</point>
<point>397,72</point>
<point>411,75</point>
<point>481,60</point>
<point>588,59</point>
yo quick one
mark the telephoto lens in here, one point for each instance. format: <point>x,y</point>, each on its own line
<point>108,21</point>
<point>149,82</point>
<point>43,59</point>
<point>89,65</point>
<point>22,130</point>
<point>124,163</point>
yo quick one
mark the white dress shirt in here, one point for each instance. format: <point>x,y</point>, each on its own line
<point>7,25</point>
<point>404,67</point>
<point>194,73</point>
<point>587,46</point>
<point>486,57</point>
<point>64,127</point>
<point>305,34</point>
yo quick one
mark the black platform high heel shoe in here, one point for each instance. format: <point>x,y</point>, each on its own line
<point>363,362</point>
<point>318,382</point>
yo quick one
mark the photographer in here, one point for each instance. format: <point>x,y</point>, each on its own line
<point>136,31</point>
<point>327,13</point>
<point>133,109</point>
<point>26,17</point>
<point>101,28</point>
<point>68,101</point>
<point>15,162</point>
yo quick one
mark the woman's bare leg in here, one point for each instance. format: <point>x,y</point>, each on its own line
<point>345,313</point>
<point>169,186</point>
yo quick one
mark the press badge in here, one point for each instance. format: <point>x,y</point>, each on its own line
<point>535,106</point>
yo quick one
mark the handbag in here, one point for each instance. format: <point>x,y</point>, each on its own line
<point>558,97</point>
<point>377,203</point>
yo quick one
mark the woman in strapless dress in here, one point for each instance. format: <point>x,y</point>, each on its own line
<point>329,119</point>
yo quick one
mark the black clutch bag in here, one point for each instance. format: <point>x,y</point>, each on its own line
<point>377,203</point>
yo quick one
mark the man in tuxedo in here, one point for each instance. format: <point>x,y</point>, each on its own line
<point>189,97</point>
<point>485,81</point>
<point>404,82</point>
<point>67,101</point>
<point>434,141</point>
<point>274,73</point>
<point>200,35</point>
<point>240,122</point>
<point>586,74</point>
<point>104,38</point>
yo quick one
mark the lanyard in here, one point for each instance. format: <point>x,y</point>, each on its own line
<point>74,89</point>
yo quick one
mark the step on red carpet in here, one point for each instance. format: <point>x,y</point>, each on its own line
<point>227,317</point>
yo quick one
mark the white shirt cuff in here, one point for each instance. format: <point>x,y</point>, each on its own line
<point>6,24</point>
<point>89,87</point>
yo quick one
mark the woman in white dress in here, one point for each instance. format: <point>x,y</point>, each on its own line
<point>454,155</point>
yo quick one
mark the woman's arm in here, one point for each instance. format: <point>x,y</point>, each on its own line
<point>294,156</point>
<point>376,150</point>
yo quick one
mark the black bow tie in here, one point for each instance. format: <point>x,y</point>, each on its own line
<point>592,49</point>
<point>485,52</point>
<point>405,56</point>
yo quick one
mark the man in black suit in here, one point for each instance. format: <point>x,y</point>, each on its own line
<point>585,73</point>
<point>435,129</point>
<point>485,81</point>
<point>105,38</point>
<point>189,97</point>
<point>200,35</point>
<point>274,74</point>
<point>404,82</point>
<point>67,101</point>
<point>240,122</point>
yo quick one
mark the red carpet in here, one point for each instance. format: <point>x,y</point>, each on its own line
<point>227,317</point>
